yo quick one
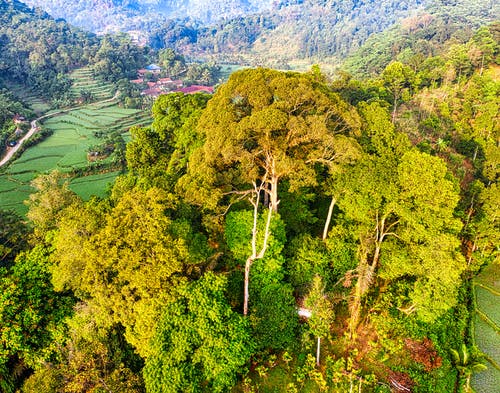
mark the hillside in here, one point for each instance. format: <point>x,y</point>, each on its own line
<point>116,15</point>
<point>289,233</point>
<point>272,33</point>
<point>38,51</point>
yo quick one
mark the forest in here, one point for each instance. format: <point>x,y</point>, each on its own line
<point>38,54</point>
<point>278,34</point>
<point>289,233</point>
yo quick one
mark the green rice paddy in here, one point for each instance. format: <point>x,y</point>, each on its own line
<point>93,185</point>
<point>486,381</point>
<point>487,327</point>
<point>83,79</point>
<point>66,149</point>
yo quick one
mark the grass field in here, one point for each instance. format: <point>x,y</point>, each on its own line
<point>487,327</point>
<point>66,150</point>
<point>93,185</point>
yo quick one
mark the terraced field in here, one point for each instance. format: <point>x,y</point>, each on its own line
<point>66,150</point>
<point>487,327</point>
<point>83,80</point>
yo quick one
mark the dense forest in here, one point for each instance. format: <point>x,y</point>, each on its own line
<point>119,15</point>
<point>279,33</point>
<point>366,205</point>
<point>38,52</point>
<point>321,30</point>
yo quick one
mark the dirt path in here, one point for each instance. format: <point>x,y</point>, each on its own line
<point>34,128</point>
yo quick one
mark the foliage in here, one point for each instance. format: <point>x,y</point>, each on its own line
<point>162,150</point>
<point>321,308</point>
<point>412,214</point>
<point>200,344</point>
<point>13,233</point>
<point>51,196</point>
<point>31,312</point>
<point>92,360</point>
<point>264,126</point>
<point>136,240</point>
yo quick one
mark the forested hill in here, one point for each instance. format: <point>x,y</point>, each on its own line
<point>38,52</point>
<point>319,30</point>
<point>108,15</point>
<point>273,33</point>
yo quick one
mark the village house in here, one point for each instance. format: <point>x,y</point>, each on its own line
<point>197,89</point>
<point>151,69</point>
<point>166,85</point>
<point>18,119</point>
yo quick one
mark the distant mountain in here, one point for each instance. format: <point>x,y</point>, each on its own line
<point>267,32</point>
<point>114,15</point>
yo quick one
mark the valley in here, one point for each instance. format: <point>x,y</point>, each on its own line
<point>72,136</point>
<point>249,196</point>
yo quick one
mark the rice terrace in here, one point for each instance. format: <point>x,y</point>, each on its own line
<point>487,327</point>
<point>76,145</point>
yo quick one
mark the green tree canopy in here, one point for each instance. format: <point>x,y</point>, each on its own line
<point>263,126</point>
<point>200,343</point>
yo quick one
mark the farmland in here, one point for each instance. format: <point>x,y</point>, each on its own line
<point>73,134</point>
<point>84,83</point>
<point>486,327</point>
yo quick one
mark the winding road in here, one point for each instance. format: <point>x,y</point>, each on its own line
<point>34,128</point>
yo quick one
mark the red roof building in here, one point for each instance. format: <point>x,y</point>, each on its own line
<point>197,89</point>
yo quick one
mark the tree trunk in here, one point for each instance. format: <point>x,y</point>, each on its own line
<point>318,351</point>
<point>394,109</point>
<point>329,218</point>
<point>274,193</point>
<point>365,278</point>
<point>475,154</point>
<point>355,309</point>
<point>250,260</point>
<point>247,280</point>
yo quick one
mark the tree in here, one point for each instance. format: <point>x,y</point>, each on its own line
<point>51,197</point>
<point>92,360</point>
<point>162,150</point>
<point>483,48</point>
<point>467,363</point>
<point>200,343</point>
<point>13,233</point>
<point>396,78</point>
<point>263,126</point>
<point>31,312</point>
<point>322,314</point>
<point>134,257</point>
<point>272,312</point>
<point>399,205</point>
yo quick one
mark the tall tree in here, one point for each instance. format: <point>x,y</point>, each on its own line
<point>162,150</point>
<point>321,312</point>
<point>399,205</point>
<point>51,197</point>
<point>136,254</point>
<point>397,78</point>
<point>261,127</point>
<point>31,312</point>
